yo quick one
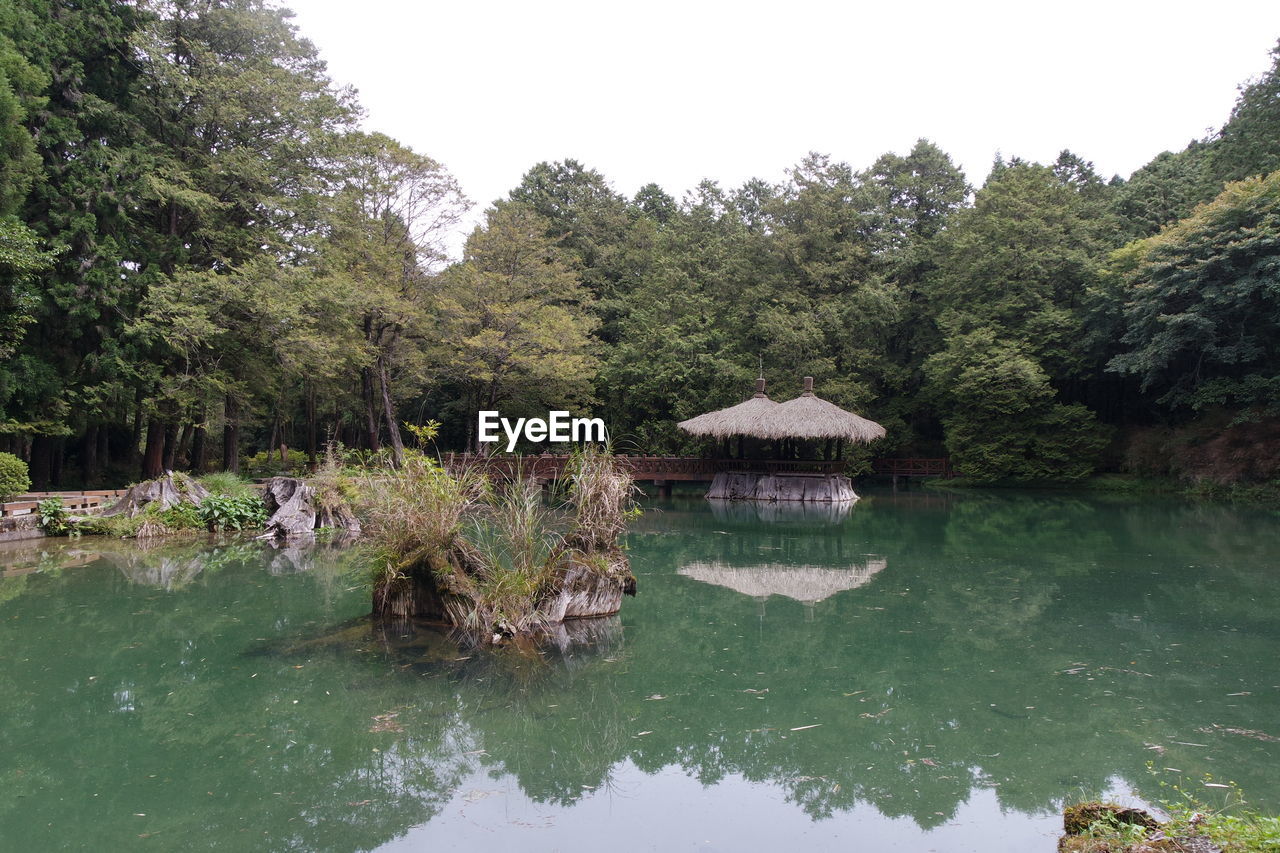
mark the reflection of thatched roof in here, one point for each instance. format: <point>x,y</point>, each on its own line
<point>808,584</point>
<point>742,419</point>
<point>805,417</point>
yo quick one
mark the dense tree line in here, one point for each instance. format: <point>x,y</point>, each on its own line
<point>202,258</point>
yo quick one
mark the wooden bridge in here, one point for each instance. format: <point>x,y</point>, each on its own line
<point>76,502</point>
<point>662,471</point>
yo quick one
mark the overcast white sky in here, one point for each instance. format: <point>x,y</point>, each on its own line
<point>675,92</point>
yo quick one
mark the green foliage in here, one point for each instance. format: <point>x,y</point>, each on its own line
<point>267,463</point>
<point>227,483</point>
<point>183,516</point>
<point>115,526</point>
<point>198,248</point>
<point>228,512</point>
<point>14,479</point>
<point>1203,308</point>
<point>513,318</point>
<point>424,434</point>
<point>53,518</point>
<point>1232,826</point>
<point>1005,424</point>
<point>1249,143</point>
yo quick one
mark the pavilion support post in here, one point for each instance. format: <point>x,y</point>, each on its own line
<point>740,453</point>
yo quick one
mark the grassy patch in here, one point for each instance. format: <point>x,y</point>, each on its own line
<point>1233,826</point>
<point>227,483</point>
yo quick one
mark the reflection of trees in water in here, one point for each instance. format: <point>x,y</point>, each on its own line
<point>993,651</point>
<point>969,657</point>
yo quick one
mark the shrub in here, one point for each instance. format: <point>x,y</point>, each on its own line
<point>227,483</point>
<point>226,512</point>
<point>53,517</point>
<point>13,476</point>
<point>267,463</point>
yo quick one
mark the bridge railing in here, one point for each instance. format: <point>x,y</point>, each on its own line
<point>546,466</point>
<point>913,467</point>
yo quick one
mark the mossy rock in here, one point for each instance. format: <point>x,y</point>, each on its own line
<point>1078,818</point>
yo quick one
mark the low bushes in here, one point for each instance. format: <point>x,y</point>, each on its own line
<point>231,512</point>
<point>14,479</point>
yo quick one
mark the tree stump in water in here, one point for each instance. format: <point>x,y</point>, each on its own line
<point>170,490</point>
<point>297,509</point>
<point>587,586</point>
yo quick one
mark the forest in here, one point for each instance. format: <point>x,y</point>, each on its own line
<point>206,264</point>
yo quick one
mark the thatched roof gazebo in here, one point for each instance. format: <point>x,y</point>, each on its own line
<point>785,478</point>
<point>806,417</point>
<point>746,418</point>
<point>811,417</point>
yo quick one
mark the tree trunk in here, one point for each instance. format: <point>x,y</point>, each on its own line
<point>170,455</point>
<point>370,411</point>
<point>275,433</point>
<point>311,425</point>
<point>199,449</point>
<point>389,409</point>
<point>134,459</point>
<point>89,456</point>
<point>104,446</point>
<point>38,464</point>
<point>56,457</point>
<point>183,456</point>
<point>153,455</point>
<point>231,435</point>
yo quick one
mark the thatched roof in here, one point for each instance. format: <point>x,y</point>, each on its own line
<point>746,418</point>
<point>808,584</point>
<point>807,416</point>
<point>810,416</point>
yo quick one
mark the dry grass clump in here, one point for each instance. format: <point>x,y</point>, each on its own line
<point>513,552</point>
<point>602,497</point>
<point>494,560</point>
<point>415,514</point>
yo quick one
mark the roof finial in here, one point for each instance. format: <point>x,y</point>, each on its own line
<point>808,385</point>
<point>761,366</point>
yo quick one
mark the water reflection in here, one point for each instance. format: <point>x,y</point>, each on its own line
<point>786,512</point>
<point>806,584</point>
<point>1024,649</point>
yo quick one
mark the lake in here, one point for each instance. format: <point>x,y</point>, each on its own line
<point>927,671</point>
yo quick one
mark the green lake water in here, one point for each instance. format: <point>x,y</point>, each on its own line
<point>927,672</point>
